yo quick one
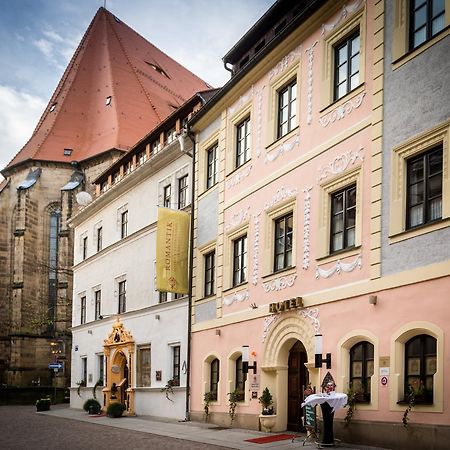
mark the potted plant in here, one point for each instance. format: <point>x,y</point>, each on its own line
<point>92,406</point>
<point>207,399</point>
<point>267,417</point>
<point>233,398</point>
<point>43,404</point>
<point>115,409</point>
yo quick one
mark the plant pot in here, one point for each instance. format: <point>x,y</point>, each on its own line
<point>267,422</point>
<point>42,407</point>
<point>94,410</point>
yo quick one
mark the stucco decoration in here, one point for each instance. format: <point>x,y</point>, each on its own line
<point>310,52</point>
<point>255,248</point>
<point>346,10</point>
<point>236,297</point>
<point>241,216</point>
<point>282,194</point>
<point>280,336</point>
<point>238,177</point>
<point>243,99</point>
<point>259,121</point>
<point>340,163</point>
<point>284,148</point>
<point>339,267</point>
<point>280,283</point>
<point>306,226</point>
<point>342,110</point>
<point>313,315</point>
<point>285,62</point>
<point>119,334</point>
<point>268,321</point>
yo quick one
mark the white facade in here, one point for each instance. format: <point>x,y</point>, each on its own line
<point>128,254</point>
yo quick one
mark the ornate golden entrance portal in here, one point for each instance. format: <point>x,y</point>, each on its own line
<point>119,351</point>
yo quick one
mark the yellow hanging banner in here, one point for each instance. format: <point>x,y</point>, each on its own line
<point>172,247</point>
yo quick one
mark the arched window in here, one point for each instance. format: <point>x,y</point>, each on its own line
<point>420,367</point>
<point>240,378</point>
<point>214,379</point>
<point>361,370</point>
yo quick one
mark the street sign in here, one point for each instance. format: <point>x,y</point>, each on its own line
<point>55,366</point>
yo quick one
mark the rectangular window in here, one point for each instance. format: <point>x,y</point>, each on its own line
<point>427,18</point>
<point>167,196</point>
<point>343,219</point>
<point>162,297</point>
<point>240,378</point>
<point>287,109</point>
<point>346,65</point>
<point>424,188</point>
<point>240,260</point>
<point>101,371</point>
<point>124,224</point>
<point>211,171</point>
<point>85,247</point>
<point>122,297</point>
<point>83,310</point>
<point>144,366</point>
<point>182,191</point>
<point>243,142</point>
<point>283,242</point>
<point>84,370</point>
<point>209,265</point>
<point>99,238</point>
<point>176,365</point>
<point>98,304</point>
<point>142,157</point>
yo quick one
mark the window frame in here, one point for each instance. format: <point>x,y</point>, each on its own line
<point>183,191</point>
<point>176,364</point>
<point>425,158</point>
<point>211,165</point>
<point>209,273</point>
<point>345,213</point>
<point>240,378</point>
<point>242,258</point>
<point>83,310</point>
<point>122,296</point>
<point>99,235</point>
<point>124,224</point>
<point>214,380</point>
<point>292,112</point>
<point>365,396</point>
<point>167,195</point>
<point>84,247</point>
<point>284,218</point>
<point>98,303</point>
<point>140,366</point>
<point>243,142</point>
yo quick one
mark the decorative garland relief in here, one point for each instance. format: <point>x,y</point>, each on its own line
<point>339,267</point>
<point>306,225</point>
<point>241,216</point>
<point>236,297</point>
<point>340,163</point>
<point>280,283</point>
<point>238,177</point>
<point>285,62</point>
<point>310,53</point>
<point>284,148</point>
<point>346,10</point>
<point>342,110</point>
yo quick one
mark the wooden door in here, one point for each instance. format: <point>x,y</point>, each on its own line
<point>297,381</point>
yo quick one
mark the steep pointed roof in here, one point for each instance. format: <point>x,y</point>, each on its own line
<point>116,88</point>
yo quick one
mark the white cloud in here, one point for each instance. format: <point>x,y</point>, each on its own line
<point>46,47</point>
<point>52,35</point>
<point>19,114</point>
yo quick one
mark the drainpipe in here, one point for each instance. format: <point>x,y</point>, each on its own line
<point>190,274</point>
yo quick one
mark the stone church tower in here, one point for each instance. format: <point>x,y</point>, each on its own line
<point>116,88</point>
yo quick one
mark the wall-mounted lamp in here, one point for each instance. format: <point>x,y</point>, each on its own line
<point>217,332</point>
<point>372,300</point>
<point>318,343</point>
<point>245,356</point>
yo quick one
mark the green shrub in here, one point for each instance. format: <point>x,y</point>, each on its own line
<point>91,402</point>
<point>115,409</point>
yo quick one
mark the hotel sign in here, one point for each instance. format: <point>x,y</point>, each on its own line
<point>286,305</point>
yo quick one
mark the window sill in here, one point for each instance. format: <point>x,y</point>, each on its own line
<point>283,272</point>
<point>418,231</point>
<point>336,103</point>
<point>411,54</point>
<point>281,140</point>
<point>353,251</point>
<point>237,287</point>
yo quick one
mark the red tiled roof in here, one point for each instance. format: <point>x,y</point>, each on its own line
<point>144,83</point>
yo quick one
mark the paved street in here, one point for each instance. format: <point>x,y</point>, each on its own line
<point>23,429</point>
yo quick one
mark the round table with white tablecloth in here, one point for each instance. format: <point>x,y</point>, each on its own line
<point>329,403</point>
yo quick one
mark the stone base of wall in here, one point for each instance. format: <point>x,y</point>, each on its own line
<point>394,435</point>
<point>246,421</point>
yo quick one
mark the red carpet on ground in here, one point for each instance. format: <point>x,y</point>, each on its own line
<point>271,438</point>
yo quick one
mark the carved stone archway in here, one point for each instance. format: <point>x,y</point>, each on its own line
<point>119,351</point>
<point>289,328</point>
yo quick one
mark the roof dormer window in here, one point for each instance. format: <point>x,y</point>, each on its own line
<point>108,100</point>
<point>68,151</point>
<point>158,69</point>
<point>53,107</point>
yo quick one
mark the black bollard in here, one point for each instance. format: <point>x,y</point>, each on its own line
<point>327,432</point>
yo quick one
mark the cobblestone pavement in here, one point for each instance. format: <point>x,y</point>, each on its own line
<point>22,428</point>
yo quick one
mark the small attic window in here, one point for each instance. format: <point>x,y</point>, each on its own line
<point>280,26</point>
<point>260,46</point>
<point>158,69</point>
<point>68,151</point>
<point>53,107</point>
<point>108,100</point>
<point>117,19</point>
<point>244,61</point>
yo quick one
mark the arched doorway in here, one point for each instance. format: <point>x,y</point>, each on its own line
<point>119,378</point>
<point>297,382</point>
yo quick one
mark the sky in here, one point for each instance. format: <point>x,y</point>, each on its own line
<point>38,38</point>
